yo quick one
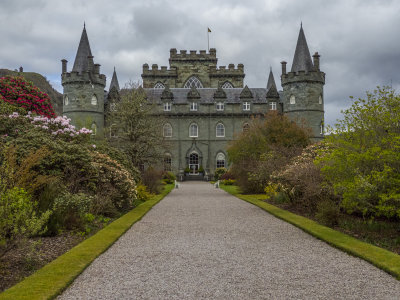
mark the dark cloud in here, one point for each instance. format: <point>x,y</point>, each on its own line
<point>358,40</point>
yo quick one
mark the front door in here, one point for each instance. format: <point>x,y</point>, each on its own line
<point>194,163</point>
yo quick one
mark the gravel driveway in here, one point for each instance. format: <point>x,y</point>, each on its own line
<point>202,243</point>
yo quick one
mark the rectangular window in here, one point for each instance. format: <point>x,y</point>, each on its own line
<point>272,105</point>
<point>246,105</point>
<point>167,106</point>
<point>193,106</point>
<point>220,106</point>
<point>167,164</point>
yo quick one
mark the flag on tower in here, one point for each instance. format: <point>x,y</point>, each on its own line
<point>209,30</point>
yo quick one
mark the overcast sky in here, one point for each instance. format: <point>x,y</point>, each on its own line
<point>358,41</point>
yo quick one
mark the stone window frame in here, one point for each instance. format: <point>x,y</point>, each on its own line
<point>320,99</point>
<point>66,100</point>
<point>194,106</point>
<point>159,85</point>
<point>167,130</point>
<point>167,106</point>
<point>167,162</point>
<point>220,106</point>
<point>193,81</point>
<point>227,85</point>
<point>94,100</point>
<point>220,160</point>
<point>321,128</point>
<point>292,99</point>
<point>246,106</point>
<point>220,130</point>
<point>272,105</point>
<point>193,134</point>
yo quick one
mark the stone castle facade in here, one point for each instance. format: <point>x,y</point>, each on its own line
<point>203,106</point>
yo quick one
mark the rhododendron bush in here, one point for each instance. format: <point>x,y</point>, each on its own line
<point>22,93</point>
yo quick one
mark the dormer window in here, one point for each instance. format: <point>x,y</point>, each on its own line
<point>167,106</point>
<point>246,106</point>
<point>159,85</point>
<point>272,105</point>
<point>193,106</point>
<point>220,106</point>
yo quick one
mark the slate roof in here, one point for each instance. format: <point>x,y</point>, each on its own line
<point>302,58</point>
<point>81,58</point>
<point>207,95</point>
<point>271,80</point>
<point>114,81</point>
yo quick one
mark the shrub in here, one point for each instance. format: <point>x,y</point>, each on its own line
<point>219,172</point>
<point>328,213</point>
<point>142,193</point>
<point>229,181</point>
<point>271,190</point>
<point>168,177</point>
<point>18,217</point>
<point>152,179</point>
<point>227,175</point>
<point>22,93</point>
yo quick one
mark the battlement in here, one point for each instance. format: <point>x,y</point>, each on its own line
<point>155,71</point>
<point>231,71</point>
<point>89,77</point>
<point>193,55</point>
<point>312,76</point>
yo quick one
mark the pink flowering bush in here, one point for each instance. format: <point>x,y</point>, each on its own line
<point>22,93</point>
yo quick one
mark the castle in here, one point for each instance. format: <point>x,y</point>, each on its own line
<point>204,106</point>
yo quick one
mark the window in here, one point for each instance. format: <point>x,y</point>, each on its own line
<point>272,105</point>
<point>227,85</point>
<point>94,128</point>
<point>321,128</point>
<point>246,105</point>
<point>220,106</point>
<point>94,100</point>
<point>320,99</point>
<point>167,163</point>
<point>193,106</point>
<point>193,130</point>
<point>246,127</point>
<point>220,130</point>
<point>159,85</point>
<point>193,82</point>
<point>66,100</point>
<point>220,160</point>
<point>167,130</point>
<point>167,106</point>
<point>292,99</point>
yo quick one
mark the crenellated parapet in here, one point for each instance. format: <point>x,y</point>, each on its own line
<point>84,77</point>
<point>185,56</point>
<point>303,76</point>
<point>156,71</point>
<point>231,71</point>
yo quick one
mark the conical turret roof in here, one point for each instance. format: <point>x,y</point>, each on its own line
<point>81,59</point>
<point>114,81</point>
<point>302,58</point>
<point>272,91</point>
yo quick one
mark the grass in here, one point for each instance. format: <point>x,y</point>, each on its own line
<point>381,258</point>
<point>53,278</point>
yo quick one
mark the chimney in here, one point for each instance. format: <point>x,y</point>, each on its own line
<point>316,57</point>
<point>90,63</point>
<point>96,69</point>
<point>64,65</point>
<point>283,67</point>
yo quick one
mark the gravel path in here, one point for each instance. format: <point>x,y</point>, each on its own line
<point>202,243</point>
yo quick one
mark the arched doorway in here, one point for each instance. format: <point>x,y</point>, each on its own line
<point>194,163</point>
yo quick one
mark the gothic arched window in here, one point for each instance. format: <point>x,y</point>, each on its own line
<point>167,130</point>
<point>94,100</point>
<point>159,85</point>
<point>220,160</point>
<point>193,130</point>
<point>227,85</point>
<point>193,82</point>
<point>220,130</point>
<point>66,100</point>
<point>292,99</point>
<point>320,99</point>
<point>94,128</point>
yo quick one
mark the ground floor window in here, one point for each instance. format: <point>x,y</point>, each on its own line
<point>167,163</point>
<point>220,160</point>
<point>194,163</point>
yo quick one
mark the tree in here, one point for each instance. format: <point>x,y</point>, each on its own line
<point>364,165</point>
<point>133,129</point>
<point>266,147</point>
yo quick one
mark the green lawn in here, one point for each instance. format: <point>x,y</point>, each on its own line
<point>383,259</point>
<point>53,278</point>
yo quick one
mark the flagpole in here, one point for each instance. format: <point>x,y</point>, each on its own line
<point>208,39</point>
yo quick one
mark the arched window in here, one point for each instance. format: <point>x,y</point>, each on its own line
<point>94,100</point>
<point>167,162</point>
<point>159,85</point>
<point>167,130</point>
<point>292,99</point>
<point>320,99</point>
<point>220,129</point>
<point>246,127</point>
<point>193,82</point>
<point>220,160</point>
<point>66,100</point>
<point>94,128</point>
<point>227,85</point>
<point>193,130</point>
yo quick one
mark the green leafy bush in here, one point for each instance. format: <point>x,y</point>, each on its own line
<point>219,172</point>
<point>328,213</point>
<point>152,179</point>
<point>229,182</point>
<point>168,177</point>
